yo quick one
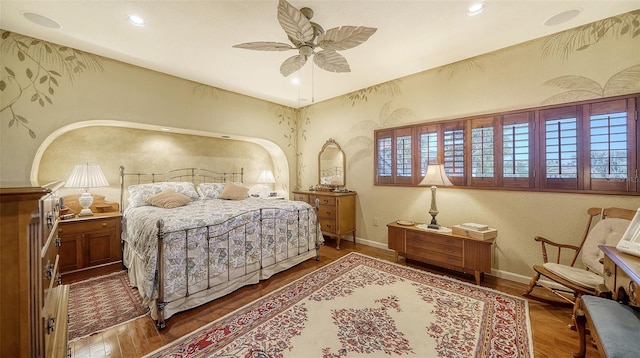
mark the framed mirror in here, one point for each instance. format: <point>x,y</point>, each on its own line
<point>331,165</point>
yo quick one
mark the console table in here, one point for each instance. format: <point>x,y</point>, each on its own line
<point>446,250</point>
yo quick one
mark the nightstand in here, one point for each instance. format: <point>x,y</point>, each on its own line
<point>89,246</point>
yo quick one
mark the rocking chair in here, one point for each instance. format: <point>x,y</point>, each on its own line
<point>581,281</point>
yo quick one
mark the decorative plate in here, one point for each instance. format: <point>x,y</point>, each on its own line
<point>404,222</point>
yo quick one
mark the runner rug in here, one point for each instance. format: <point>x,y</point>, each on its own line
<point>359,305</point>
<point>102,302</point>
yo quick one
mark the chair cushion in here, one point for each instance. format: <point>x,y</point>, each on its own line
<point>617,326</point>
<point>605,232</point>
<point>578,276</point>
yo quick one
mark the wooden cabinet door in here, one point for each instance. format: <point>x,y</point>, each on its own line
<point>70,251</point>
<point>99,248</point>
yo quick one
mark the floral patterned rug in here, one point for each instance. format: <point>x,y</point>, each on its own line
<point>102,302</point>
<point>359,305</point>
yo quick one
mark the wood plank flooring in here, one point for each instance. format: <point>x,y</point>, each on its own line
<point>550,318</point>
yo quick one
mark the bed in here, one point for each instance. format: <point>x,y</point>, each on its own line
<point>182,255</point>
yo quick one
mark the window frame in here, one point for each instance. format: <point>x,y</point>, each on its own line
<point>535,120</point>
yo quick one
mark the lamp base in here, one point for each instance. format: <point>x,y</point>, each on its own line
<point>85,212</point>
<point>85,200</point>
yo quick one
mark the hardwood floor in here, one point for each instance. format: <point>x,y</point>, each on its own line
<point>549,319</point>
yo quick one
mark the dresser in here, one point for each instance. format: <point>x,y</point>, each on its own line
<point>336,213</point>
<point>446,250</point>
<point>33,304</point>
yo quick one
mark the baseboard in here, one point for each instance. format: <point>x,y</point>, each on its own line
<point>376,244</point>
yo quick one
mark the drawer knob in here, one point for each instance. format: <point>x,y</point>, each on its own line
<point>104,224</point>
<point>607,272</point>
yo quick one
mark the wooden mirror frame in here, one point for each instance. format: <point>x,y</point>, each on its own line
<point>332,184</point>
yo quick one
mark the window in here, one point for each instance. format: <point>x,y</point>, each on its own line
<point>590,146</point>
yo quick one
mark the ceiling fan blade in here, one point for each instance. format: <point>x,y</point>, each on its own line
<point>292,64</point>
<point>265,46</point>
<point>344,37</point>
<point>330,60</point>
<point>294,23</point>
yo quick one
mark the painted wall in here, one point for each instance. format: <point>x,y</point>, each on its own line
<point>58,88</point>
<point>545,71</point>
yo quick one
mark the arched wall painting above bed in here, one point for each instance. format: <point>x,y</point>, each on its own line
<point>141,150</point>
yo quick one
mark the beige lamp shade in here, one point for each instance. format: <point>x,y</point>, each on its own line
<point>436,175</point>
<point>86,176</point>
<point>266,177</point>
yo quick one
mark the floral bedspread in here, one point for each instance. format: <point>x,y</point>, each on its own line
<point>214,239</point>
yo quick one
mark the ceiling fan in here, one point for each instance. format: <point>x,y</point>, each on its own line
<point>306,36</point>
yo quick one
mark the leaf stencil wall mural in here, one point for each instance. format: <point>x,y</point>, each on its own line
<point>391,88</point>
<point>206,91</point>
<point>295,121</point>
<point>364,141</point>
<point>582,37</point>
<point>42,67</point>
<point>581,88</point>
<point>471,64</point>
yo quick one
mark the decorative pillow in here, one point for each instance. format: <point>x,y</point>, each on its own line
<point>233,191</point>
<point>606,232</point>
<point>139,193</point>
<point>210,190</point>
<point>168,199</point>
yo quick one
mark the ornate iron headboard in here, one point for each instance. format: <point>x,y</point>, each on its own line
<point>193,175</point>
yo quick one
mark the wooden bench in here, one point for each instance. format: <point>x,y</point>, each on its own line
<point>614,326</point>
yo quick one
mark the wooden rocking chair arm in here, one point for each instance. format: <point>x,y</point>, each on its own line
<point>552,243</point>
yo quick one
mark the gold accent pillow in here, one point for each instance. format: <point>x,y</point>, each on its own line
<point>233,191</point>
<point>168,199</point>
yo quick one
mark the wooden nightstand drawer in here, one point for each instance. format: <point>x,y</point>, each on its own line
<point>301,197</point>
<point>324,200</point>
<point>328,225</point>
<point>328,212</point>
<point>75,227</point>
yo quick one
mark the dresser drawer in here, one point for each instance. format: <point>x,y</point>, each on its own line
<point>328,212</point>
<point>324,200</point>
<point>301,197</point>
<point>71,227</point>
<point>328,225</point>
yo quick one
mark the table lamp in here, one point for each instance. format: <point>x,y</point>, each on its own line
<point>435,176</point>
<point>266,178</point>
<point>86,176</point>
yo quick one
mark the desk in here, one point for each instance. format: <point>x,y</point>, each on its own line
<point>446,250</point>
<point>622,275</point>
<point>613,323</point>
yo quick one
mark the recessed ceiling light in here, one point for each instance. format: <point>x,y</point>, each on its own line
<point>475,9</point>
<point>165,129</point>
<point>136,20</point>
<point>41,20</point>
<point>562,17</point>
<point>295,81</point>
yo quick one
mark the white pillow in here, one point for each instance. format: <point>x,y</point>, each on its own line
<point>139,193</point>
<point>210,190</point>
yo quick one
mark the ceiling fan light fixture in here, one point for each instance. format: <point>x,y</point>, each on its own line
<point>476,8</point>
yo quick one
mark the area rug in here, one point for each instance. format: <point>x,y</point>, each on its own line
<point>102,302</point>
<point>359,305</point>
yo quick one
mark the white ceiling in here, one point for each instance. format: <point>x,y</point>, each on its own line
<point>194,39</point>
